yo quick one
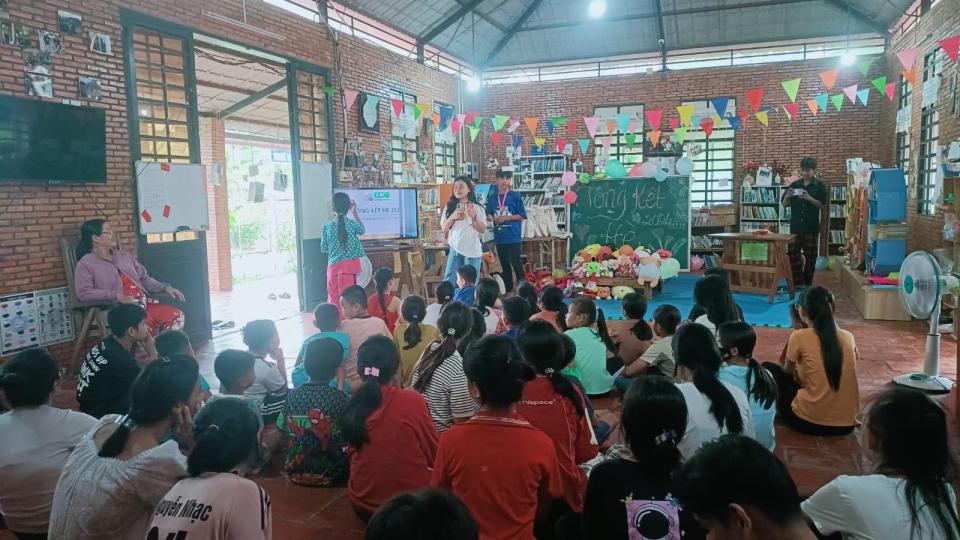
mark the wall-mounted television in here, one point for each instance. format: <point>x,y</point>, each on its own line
<point>386,213</point>
<point>42,141</point>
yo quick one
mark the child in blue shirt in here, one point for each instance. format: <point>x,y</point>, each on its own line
<point>326,317</point>
<point>467,283</point>
<point>737,340</point>
<point>506,211</point>
<point>516,313</point>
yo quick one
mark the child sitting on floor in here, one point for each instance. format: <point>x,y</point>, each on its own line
<point>528,292</point>
<point>270,386</point>
<point>358,325</point>
<point>412,336</point>
<point>383,304</point>
<point>466,285</point>
<point>486,298</point>
<point>315,446</point>
<point>444,297</point>
<point>659,355</point>
<point>173,342</point>
<point>737,340</point>
<point>552,308</point>
<point>516,314</point>
<point>588,329</point>
<point>326,317</point>
<point>633,335</point>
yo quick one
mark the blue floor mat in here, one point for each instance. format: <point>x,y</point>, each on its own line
<point>679,292</point>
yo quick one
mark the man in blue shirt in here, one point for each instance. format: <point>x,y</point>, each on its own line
<point>505,209</point>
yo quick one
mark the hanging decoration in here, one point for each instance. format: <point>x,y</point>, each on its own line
<point>592,123</point>
<point>654,138</point>
<point>821,100</point>
<point>674,122</point>
<point>473,133</point>
<point>720,105</point>
<point>571,129</point>
<point>623,122</point>
<point>951,46</point>
<point>455,125</point>
<point>611,127</point>
<point>569,178</point>
<point>654,117</point>
<point>890,90</point>
<point>755,98</point>
<point>763,117</point>
<point>791,87</point>
<point>734,122</point>
<point>907,57</point>
<point>880,83</point>
<point>329,91</point>
<point>516,140</point>
<point>615,169</point>
<point>792,110</point>
<point>829,78</point>
<point>686,114</point>
<point>550,127</point>
<point>532,122</point>
<point>570,197</point>
<point>813,106</point>
<point>910,75</point>
<point>851,93</point>
<point>397,105</point>
<point>863,66</point>
<point>631,139</point>
<point>648,169</point>
<point>584,145</point>
<point>495,137</point>
<point>684,166</point>
<point>606,142</point>
<point>660,175</point>
<point>561,145</point>
<point>863,96</point>
<point>707,126</point>
<point>539,141</point>
<point>499,121</point>
<point>681,133</point>
<point>584,178</point>
<point>349,97</point>
<point>514,124</point>
<point>837,101</point>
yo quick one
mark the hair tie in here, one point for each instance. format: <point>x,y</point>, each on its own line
<point>164,359</point>
<point>451,332</point>
<point>549,371</point>
<point>213,427</point>
<point>126,422</point>
<point>371,371</point>
<point>666,435</point>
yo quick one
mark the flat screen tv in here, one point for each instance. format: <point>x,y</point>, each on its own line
<point>50,142</point>
<point>386,213</point>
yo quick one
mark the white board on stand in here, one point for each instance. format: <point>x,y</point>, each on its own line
<point>171,197</point>
<point>316,198</point>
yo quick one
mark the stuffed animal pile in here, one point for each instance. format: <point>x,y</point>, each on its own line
<point>640,263</point>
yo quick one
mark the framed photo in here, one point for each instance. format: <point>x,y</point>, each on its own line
<point>24,36</point>
<point>90,88</point>
<point>101,43</point>
<point>35,61</point>
<point>4,4</point>
<point>39,85</point>
<point>70,23</point>
<point>369,116</point>
<point>8,35</point>
<point>50,42</point>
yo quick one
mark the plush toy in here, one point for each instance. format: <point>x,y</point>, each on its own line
<point>610,268</point>
<point>592,269</point>
<point>592,249</point>
<point>648,268</point>
<point>621,291</point>
<point>591,289</point>
<point>664,254</point>
<point>603,293</point>
<point>606,252</point>
<point>573,289</point>
<point>625,250</point>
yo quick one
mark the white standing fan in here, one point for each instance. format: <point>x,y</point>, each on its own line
<point>921,285</point>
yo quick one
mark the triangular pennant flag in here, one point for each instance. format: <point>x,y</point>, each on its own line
<point>584,145</point>
<point>837,101</point>
<point>606,142</point>
<point>734,122</point>
<point>863,96</point>
<point>863,66</point>
<point>654,116</point>
<point>559,120</point>
<point>631,139</point>
<point>821,100</point>
<point>890,90</point>
<point>423,108</point>
<point>654,138</point>
<point>561,145</point>
<point>477,121</point>
<point>495,137</point>
<point>532,122</point>
<point>829,78</point>
<point>720,105</point>
<point>473,133</point>
<point>951,46</point>
<point>910,75</point>
<point>592,122</point>
<point>397,105</point>
<point>813,106</point>
<point>514,124</point>
<point>636,170</point>
<point>754,98</point>
<point>499,121</point>
<point>435,118</point>
<point>539,141</point>
<point>707,126</point>
<point>455,125</point>
<point>686,114</point>
<point>681,133</point>
<point>744,115</point>
<point>571,128</point>
<point>416,113</point>
<point>674,122</point>
<point>623,122</point>
<point>851,93</point>
<point>880,83</point>
<point>349,96</point>
<point>611,127</point>
<point>907,57</point>
<point>694,121</point>
<point>462,118</point>
<point>791,87</point>
<point>469,120</point>
<point>329,91</point>
<point>763,118</point>
<point>716,120</point>
<point>633,125</point>
<point>793,109</point>
<point>550,127</point>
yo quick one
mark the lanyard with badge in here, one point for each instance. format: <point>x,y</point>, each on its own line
<point>502,203</point>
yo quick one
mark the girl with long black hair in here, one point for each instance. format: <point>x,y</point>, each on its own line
<point>383,304</point>
<point>444,294</point>
<point>714,407</point>
<point>552,404</point>
<point>633,335</point>
<point>588,329</point>
<point>741,369</point>
<point>341,242</point>
<point>392,441</point>
<point>412,335</point>
<point>552,308</point>
<point>463,224</point>
<point>487,294</point>
<point>909,496</point>
<point>818,389</point>
<point>713,294</point>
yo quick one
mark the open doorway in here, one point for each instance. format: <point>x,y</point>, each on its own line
<point>252,245</point>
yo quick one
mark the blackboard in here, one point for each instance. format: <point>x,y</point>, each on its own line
<point>633,211</point>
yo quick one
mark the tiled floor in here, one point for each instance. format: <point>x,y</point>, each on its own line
<point>888,349</point>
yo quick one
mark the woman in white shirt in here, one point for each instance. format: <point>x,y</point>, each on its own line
<point>714,407</point>
<point>910,495</point>
<point>121,470</point>
<point>463,224</point>
<point>37,440</point>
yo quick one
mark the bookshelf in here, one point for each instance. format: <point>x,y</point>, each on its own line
<point>837,229</point>
<point>706,221</point>
<point>760,208</point>
<point>538,180</point>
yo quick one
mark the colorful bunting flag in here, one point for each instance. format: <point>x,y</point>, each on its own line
<point>837,101</point>
<point>880,83</point>
<point>514,124</point>
<point>686,114</point>
<point>654,138</point>
<point>674,122</point>
<point>550,127</point>
<point>436,119</point>
<point>890,90</point>
<point>907,57</point>
<point>423,107</point>
<point>499,121</point>
<point>734,122</point>
<point>517,140</point>
<point>592,123</point>
<point>654,116</point>
<point>720,105</point>
<point>495,137</point>
<point>694,121</point>
<point>623,122</point>
<point>462,118</point>
<point>477,122</point>
<point>910,75</point>
<point>571,128</point>
<point>813,106</point>
<point>755,98</point>
<point>329,91</point>
<point>743,114</point>
<point>606,142</point>
<point>681,133</point>
<point>762,117</point>
<point>716,120</point>
<point>455,125</point>
<point>633,124</point>
<point>951,46</point>
<point>539,141</point>
<point>349,96</point>
<point>416,113</point>
<point>611,127</point>
<point>863,66</point>
<point>473,133</point>
<point>829,78</point>
<point>397,105</point>
<point>561,145</point>
<point>532,122</point>
<point>863,96</point>
<point>793,109</point>
<point>791,87</point>
<point>707,126</point>
<point>559,120</point>
<point>469,120</point>
<point>631,139</point>
<point>821,100</point>
<point>851,92</point>
<point>584,145</point>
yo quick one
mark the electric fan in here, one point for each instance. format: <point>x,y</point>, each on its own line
<point>921,285</point>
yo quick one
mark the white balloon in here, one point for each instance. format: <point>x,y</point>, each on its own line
<point>684,166</point>
<point>648,169</point>
<point>366,272</point>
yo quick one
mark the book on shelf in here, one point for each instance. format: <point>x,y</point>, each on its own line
<point>838,237</point>
<point>766,196</point>
<point>705,242</point>
<point>759,212</point>
<point>543,164</point>
<point>838,193</point>
<point>838,210</point>
<point>776,226</point>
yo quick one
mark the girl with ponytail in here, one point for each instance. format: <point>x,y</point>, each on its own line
<point>552,308</point>
<point>498,463</point>
<point>553,405</point>
<point>444,294</point>
<point>439,374</point>
<point>121,470</point>
<point>383,304</point>
<point>741,369</point>
<point>392,441</point>
<point>231,507</point>
<point>714,407</point>
<point>341,243</point>
<point>818,389</point>
<point>412,336</point>
<point>633,336</point>
<point>588,329</point>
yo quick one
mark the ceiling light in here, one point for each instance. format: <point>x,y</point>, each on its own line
<point>597,8</point>
<point>473,84</point>
<point>848,58</point>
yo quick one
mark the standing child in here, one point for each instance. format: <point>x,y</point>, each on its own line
<point>393,443</point>
<point>503,468</point>
<point>341,242</point>
<point>326,318</point>
<point>487,295</point>
<point>412,336</point>
<point>358,325</point>
<point>633,335</point>
<point>466,285</point>
<point>506,211</point>
<point>315,447</point>
<point>659,355</point>
<point>552,308</point>
<point>737,340</point>
<point>270,386</point>
<point>588,330</point>
<point>174,342</point>
<point>444,296</point>
<point>383,304</point>
<point>516,313</point>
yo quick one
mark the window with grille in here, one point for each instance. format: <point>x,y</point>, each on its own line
<point>404,140</point>
<point>312,105</point>
<point>904,102</point>
<point>444,149</point>
<point>929,138</point>
<point>711,181</point>
<point>619,147</point>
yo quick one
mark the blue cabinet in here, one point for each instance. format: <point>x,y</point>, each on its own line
<point>887,206</point>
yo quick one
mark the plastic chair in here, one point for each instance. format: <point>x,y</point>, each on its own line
<point>93,316</point>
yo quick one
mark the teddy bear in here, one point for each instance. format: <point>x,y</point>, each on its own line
<point>603,292</point>
<point>648,268</point>
<point>591,289</point>
<point>621,291</point>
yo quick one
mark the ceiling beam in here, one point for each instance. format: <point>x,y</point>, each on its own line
<point>662,42</point>
<point>517,25</point>
<point>228,88</point>
<point>860,16</point>
<point>253,98</point>
<point>438,29</point>
<point>486,17</point>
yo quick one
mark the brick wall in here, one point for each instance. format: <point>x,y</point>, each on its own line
<point>213,150</point>
<point>943,20</point>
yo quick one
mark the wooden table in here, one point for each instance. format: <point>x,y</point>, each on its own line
<point>760,276</point>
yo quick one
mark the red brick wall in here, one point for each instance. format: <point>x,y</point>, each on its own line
<point>943,20</point>
<point>213,150</point>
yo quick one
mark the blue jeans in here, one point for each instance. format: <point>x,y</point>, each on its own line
<point>456,260</point>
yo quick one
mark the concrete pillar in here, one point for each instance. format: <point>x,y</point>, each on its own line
<point>213,150</point>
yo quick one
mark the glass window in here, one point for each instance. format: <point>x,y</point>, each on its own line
<point>713,166</point>
<point>314,140</point>
<point>444,150</point>
<point>619,148</point>
<point>904,102</point>
<point>405,138</point>
<point>929,138</point>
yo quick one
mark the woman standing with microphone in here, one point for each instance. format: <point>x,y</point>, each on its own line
<point>341,242</point>
<point>462,225</point>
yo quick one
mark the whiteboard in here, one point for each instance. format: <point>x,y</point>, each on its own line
<point>316,196</point>
<point>171,197</point>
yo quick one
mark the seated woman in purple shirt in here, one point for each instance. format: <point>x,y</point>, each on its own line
<point>106,274</point>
